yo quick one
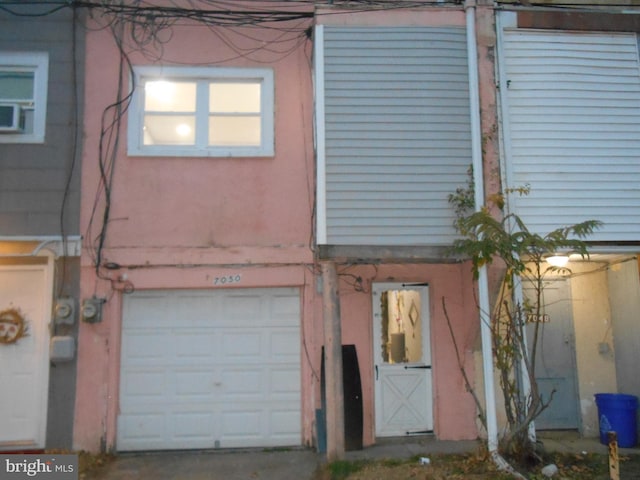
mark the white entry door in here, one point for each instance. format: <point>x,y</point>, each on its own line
<point>402,360</point>
<point>210,369</point>
<point>25,290</point>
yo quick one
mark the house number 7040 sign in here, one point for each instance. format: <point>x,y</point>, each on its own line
<point>227,279</point>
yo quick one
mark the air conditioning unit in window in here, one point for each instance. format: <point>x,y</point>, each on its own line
<point>9,117</point>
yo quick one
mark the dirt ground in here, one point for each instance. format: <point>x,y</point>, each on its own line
<point>480,467</point>
<point>475,466</point>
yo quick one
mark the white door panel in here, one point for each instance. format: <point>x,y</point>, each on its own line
<point>24,371</point>
<point>403,401</point>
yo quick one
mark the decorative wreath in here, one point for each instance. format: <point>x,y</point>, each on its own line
<point>13,326</point>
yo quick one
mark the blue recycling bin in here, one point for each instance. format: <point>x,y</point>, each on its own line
<point>617,412</point>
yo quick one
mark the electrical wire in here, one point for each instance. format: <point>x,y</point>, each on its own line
<point>74,151</point>
<point>230,5</point>
<point>220,11</point>
<point>111,124</point>
<point>145,27</point>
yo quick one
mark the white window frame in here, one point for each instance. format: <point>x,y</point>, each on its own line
<point>135,144</point>
<point>38,63</point>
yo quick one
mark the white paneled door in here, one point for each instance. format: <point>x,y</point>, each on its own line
<point>210,369</point>
<point>402,360</point>
<point>25,290</point>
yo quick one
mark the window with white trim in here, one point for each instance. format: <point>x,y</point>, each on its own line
<point>202,112</point>
<point>23,96</point>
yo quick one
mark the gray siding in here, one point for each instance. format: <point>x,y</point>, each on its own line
<point>397,133</point>
<point>574,130</point>
<point>62,375</point>
<point>33,177</point>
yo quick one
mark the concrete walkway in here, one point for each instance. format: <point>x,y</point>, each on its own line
<point>285,464</point>
<point>302,464</point>
<point>295,464</point>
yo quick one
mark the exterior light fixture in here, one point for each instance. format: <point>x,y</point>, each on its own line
<point>558,260</point>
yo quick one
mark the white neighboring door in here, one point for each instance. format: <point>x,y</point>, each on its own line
<point>24,365</point>
<point>210,369</point>
<point>402,360</point>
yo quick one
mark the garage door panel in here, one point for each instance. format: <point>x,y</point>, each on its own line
<point>142,385</point>
<point>242,345</point>
<point>194,344</point>
<point>243,308</point>
<point>149,310</point>
<point>142,428</point>
<point>283,424</point>
<point>208,369</point>
<point>286,308</point>
<point>192,426</point>
<point>242,422</point>
<point>284,383</point>
<point>257,424</point>
<point>194,385</point>
<point>241,385</point>
<point>284,345</point>
<point>142,348</point>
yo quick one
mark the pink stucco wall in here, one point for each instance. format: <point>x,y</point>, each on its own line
<point>206,208</point>
<point>209,214</point>
<point>179,222</point>
<point>454,410</point>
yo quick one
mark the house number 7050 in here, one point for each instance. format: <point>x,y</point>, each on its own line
<point>227,279</point>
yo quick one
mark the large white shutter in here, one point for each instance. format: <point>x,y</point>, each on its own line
<point>573,129</point>
<point>396,133</point>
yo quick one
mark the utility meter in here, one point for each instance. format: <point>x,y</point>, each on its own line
<point>92,309</point>
<point>63,311</point>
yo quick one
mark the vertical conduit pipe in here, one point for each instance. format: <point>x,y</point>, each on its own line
<point>483,282</point>
<point>483,288</point>
<point>525,384</point>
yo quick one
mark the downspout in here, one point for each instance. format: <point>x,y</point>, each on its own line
<point>505,144</point>
<point>483,282</point>
<point>478,180</point>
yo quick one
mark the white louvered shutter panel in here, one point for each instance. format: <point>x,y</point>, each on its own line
<point>573,112</point>
<point>397,133</point>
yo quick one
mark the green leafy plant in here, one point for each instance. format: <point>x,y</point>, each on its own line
<point>342,469</point>
<point>504,241</point>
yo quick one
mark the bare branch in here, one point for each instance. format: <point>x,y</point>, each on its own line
<point>468,384</point>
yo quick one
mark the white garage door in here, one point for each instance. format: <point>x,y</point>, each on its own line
<point>210,369</point>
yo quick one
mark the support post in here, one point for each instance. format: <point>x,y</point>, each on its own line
<point>333,362</point>
<point>614,459</point>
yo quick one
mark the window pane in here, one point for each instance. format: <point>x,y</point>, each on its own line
<point>234,131</point>
<point>169,129</point>
<point>234,97</point>
<point>401,326</point>
<point>218,112</point>
<point>166,96</point>
<point>16,86</point>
